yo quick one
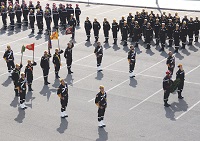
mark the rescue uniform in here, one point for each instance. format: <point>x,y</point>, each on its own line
<point>171,63</point>
<point>170,28</point>
<point>44,63</point>
<point>55,17</point>
<point>166,87</point>
<point>176,35</point>
<point>72,23</point>
<point>4,17</point>
<point>181,75</point>
<point>196,29</point>
<point>121,24</point>
<point>132,60</point>
<point>190,31</point>
<point>88,27</point>
<point>137,33</point>
<point>125,31</point>
<point>149,34</point>
<point>22,92</point>
<point>106,29</point>
<point>115,29</point>
<point>162,35</point>
<point>25,14</point>
<point>15,78</point>
<point>57,63</point>
<point>18,13</point>
<point>157,32</point>
<point>9,58</point>
<point>183,34</point>
<point>96,28</point>
<point>131,34</point>
<point>68,56</point>
<point>63,17</point>
<point>32,21</point>
<point>99,55</point>
<point>39,18</point>
<point>48,20</point>
<point>29,74</point>
<point>77,14</point>
<point>12,16</point>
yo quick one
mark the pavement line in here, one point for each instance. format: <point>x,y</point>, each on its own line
<point>187,110</point>
<point>159,91</point>
<point>108,11</point>
<point>15,41</point>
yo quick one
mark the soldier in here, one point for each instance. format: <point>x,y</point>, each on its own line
<point>183,33</point>
<point>48,20</point>
<point>44,63</point>
<point>60,13</point>
<point>170,62</point>
<point>132,26</point>
<point>68,56</point>
<point>157,31</point>
<point>31,6</point>
<point>137,33</point>
<point>185,19</point>
<point>67,12</point>
<point>190,30</point>
<point>181,75</point>
<point>57,62</point>
<point>12,16</point>
<point>115,29</point>
<point>63,17</point>
<point>129,19</point>
<point>121,24</point>
<point>55,16</point>
<point>48,8</point>
<point>96,28</point>
<point>88,27</point>
<point>170,28</point>
<point>71,11</point>
<point>72,23</point>
<point>139,19</point>
<point>15,77</point>
<point>176,35</point>
<point>25,14</point>
<point>18,13</point>
<point>162,35</point>
<point>131,61</point>
<point>101,102</point>
<point>106,29</point>
<point>166,87</point>
<point>149,34</point>
<point>4,16</point>
<point>196,29</point>
<point>9,58</point>
<point>125,31</point>
<point>77,14</point>
<point>62,93</point>
<point>29,74</point>
<point>22,91</point>
<point>37,5</point>
<point>32,20</point>
<point>144,25</point>
<point>151,21</point>
<point>39,18</point>
<point>99,55</point>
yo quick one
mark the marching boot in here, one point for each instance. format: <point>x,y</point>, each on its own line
<point>25,107</point>
<point>32,31</point>
<point>46,81</point>
<point>62,115</point>
<point>125,43</point>
<point>65,114</point>
<point>88,38</point>
<point>106,40</point>
<point>157,42</point>
<point>196,39</point>
<point>16,92</point>
<point>176,50</point>
<point>136,44</point>
<point>102,123</point>
<point>183,46</point>
<point>115,41</point>
<point>162,49</point>
<point>148,46</point>
<point>29,87</point>
<point>170,43</point>
<point>190,43</point>
<point>166,104</point>
<point>179,95</point>
<point>69,71</point>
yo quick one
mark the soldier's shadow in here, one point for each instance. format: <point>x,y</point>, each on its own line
<point>69,79</point>
<point>46,91</point>
<point>125,48</point>
<point>14,103</point>
<point>178,55</point>
<point>103,135</point>
<point>7,82</point>
<point>133,82</point>
<point>39,36</point>
<point>179,106</point>
<point>63,126</point>
<point>2,31</point>
<point>116,47</point>
<point>150,52</point>
<point>56,83</point>
<point>106,45</point>
<point>88,44</point>
<point>99,75</point>
<point>29,98</point>
<point>185,51</point>
<point>192,48</point>
<point>21,116</point>
<point>10,32</point>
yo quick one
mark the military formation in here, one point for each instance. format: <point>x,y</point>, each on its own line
<point>140,27</point>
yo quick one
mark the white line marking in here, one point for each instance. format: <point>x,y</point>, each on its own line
<point>109,11</point>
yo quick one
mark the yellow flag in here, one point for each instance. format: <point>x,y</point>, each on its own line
<point>54,36</point>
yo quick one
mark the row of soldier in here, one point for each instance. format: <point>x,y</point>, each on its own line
<point>163,28</point>
<point>61,13</point>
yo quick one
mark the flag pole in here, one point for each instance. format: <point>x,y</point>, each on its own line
<point>21,58</point>
<point>58,40</point>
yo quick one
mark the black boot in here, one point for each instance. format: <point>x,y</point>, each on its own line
<point>29,87</point>
<point>125,43</point>
<point>196,39</point>
<point>16,92</point>
<point>183,46</point>
<point>46,81</point>
<point>170,43</point>
<point>176,50</point>
<point>157,42</point>
<point>88,38</point>
<point>148,46</point>
<point>166,104</point>
<point>69,71</point>
<point>190,42</point>
<point>32,31</point>
<point>162,49</point>
<point>136,44</point>
<point>115,41</point>
<point>179,95</point>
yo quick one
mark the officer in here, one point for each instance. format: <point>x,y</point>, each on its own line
<point>131,61</point>
<point>18,13</point>
<point>12,16</point>
<point>37,5</point>
<point>48,8</point>
<point>157,31</point>
<point>29,74</point>
<point>129,19</point>
<point>115,29</point>
<point>149,34</point>
<point>96,28</point>
<point>44,63</point>
<point>88,27</point>
<point>183,33</point>
<point>121,24</point>
<point>9,58</point>
<point>25,14</point>
<point>72,23</point>
<point>101,102</point>
<point>55,16</point>
<point>15,77</point>
<point>77,14</point>
<point>137,33</point>
<point>39,18</point>
<point>22,90</point>
<point>176,35</point>
<point>62,93</point>
<point>144,26</point>
<point>170,62</point>
<point>63,17</point>
<point>125,31</point>
<point>4,16</point>
<point>170,28</point>
<point>57,62</point>
<point>166,87</point>
<point>60,13</point>
<point>48,20</point>
<point>68,56</point>
<point>31,6</point>
<point>99,55</point>
<point>32,20</point>
<point>162,35</point>
<point>190,30</point>
<point>181,75</point>
<point>196,29</point>
<point>106,29</point>
<point>67,12</point>
<point>132,26</point>
<point>71,11</point>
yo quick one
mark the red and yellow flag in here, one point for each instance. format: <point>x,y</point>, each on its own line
<point>30,46</point>
<point>54,36</point>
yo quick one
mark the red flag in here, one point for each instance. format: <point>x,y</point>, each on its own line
<point>30,46</point>
<point>69,30</point>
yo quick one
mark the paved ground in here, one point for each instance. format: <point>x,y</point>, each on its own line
<point>135,106</point>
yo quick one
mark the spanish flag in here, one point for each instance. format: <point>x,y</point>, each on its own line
<point>54,36</point>
<point>30,46</point>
